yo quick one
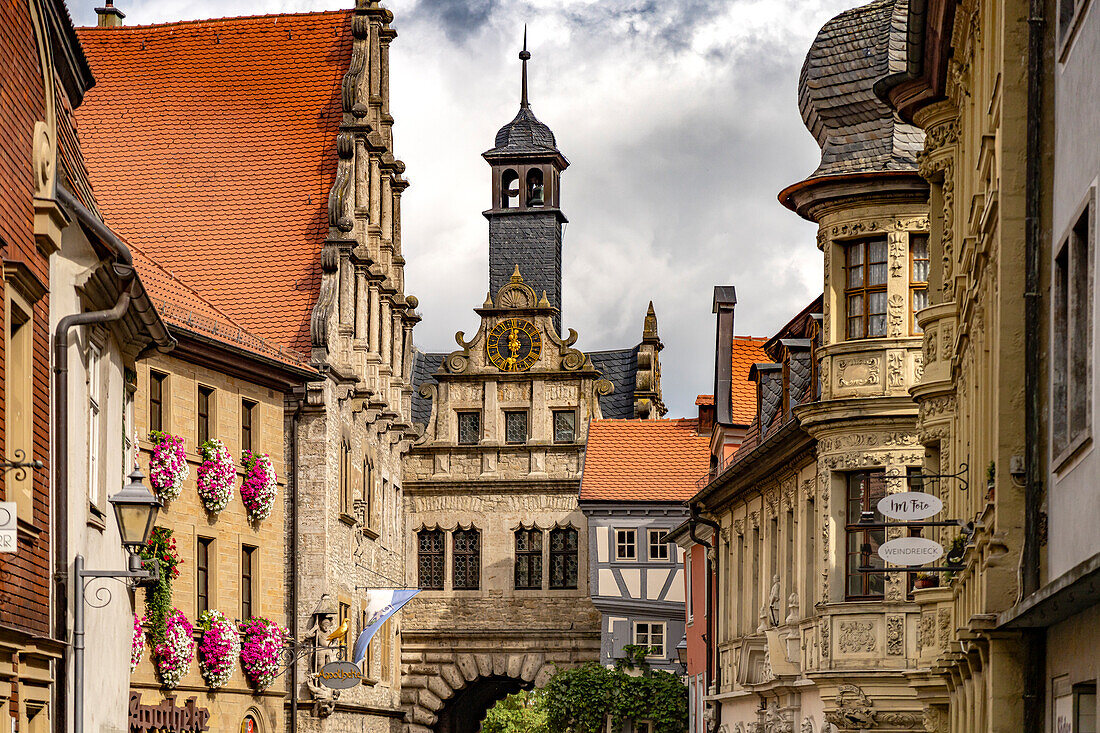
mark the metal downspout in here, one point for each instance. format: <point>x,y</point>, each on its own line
<point>61,482</point>
<point>1034,639</point>
<point>712,571</point>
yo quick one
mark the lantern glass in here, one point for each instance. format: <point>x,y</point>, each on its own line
<point>136,511</point>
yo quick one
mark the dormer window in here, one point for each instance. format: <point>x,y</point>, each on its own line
<point>509,190</point>
<point>865,272</point>
<point>535,189</point>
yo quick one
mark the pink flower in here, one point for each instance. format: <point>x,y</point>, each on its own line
<point>261,650</point>
<point>172,656</point>
<point>137,645</point>
<point>167,465</point>
<point>216,476</point>
<point>259,487</point>
<point>218,649</point>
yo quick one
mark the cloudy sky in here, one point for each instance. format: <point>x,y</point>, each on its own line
<point>679,119</point>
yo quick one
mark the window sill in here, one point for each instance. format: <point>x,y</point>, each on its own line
<point>348,519</point>
<point>96,518</point>
<point>1071,451</point>
<point>370,533</point>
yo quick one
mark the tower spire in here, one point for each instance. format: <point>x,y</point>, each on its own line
<point>523,56</point>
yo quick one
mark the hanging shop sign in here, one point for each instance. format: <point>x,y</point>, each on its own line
<point>340,675</point>
<point>8,540</point>
<point>910,551</point>
<point>166,716</point>
<point>910,506</point>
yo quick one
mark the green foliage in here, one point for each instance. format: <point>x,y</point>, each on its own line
<point>160,551</point>
<point>581,699</point>
<point>518,713</point>
<point>635,657</point>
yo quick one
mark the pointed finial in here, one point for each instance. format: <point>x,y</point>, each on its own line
<point>544,302</point>
<point>649,326</point>
<point>523,56</point>
<point>488,301</point>
<point>516,277</point>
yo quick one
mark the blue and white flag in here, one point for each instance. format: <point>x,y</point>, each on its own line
<point>381,604</point>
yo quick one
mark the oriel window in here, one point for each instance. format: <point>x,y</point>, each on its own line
<point>864,492</point>
<point>918,277</point>
<point>202,574</point>
<point>430,559</point>
<point>248,558</point>
<point>865,273</point>
<point>515,427</point>
<point>157,390</point>
<point>466,552</point>
<point>565,422</point>
<point>248,409</point>
<point>528,574</point>
<point>563,558</point>
<point>469,428</point>
<point>205,413</point>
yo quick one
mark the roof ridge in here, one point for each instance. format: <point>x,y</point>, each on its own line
<point>224,19</point>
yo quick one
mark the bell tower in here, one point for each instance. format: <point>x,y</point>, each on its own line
<point>525,221</point>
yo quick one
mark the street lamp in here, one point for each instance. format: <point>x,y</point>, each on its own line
<point>135,510</point>
<point>682,652</point>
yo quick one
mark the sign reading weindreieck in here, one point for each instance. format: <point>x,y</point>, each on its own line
<point>910,551</point>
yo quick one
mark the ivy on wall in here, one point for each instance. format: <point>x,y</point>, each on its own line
<point>160,551</point>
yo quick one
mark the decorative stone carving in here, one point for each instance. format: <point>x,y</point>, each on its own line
<point>807,726</point>
<point>561,392</point>
<point>825,632</point>
<point>935,719</point>
<point>823,370</point>
<point>858,372</point>
<point>926,631</point>
<point>945,627</point>
<point>895,315</point>
<point>918,368</point>
<point>895,635</point>
<point>739,527</point>
<point>897,255</point>
<point>514,391</point>
<point>771,501</point>
<point>853,709</point>
<point>856,637</point>
<point>895,369</point>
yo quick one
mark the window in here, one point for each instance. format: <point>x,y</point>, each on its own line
<point>515,427</point>
<point>1069,11</point>
<point>95,434</point>
<point>528,559</point>
<point>535,191</point>
<point>918,277</point>
<point>1072,327</point>
<point>625,544</point>
<point>466,556</point>
<point>469,428</point>
<point>643,726</point>
<point>202,574</point>
<point>652,635</point>
<point>864,491</point>
<point>865,287</point>
<point>386,634</point>
<point>658,544</point>
<point>689,601</point>
<point>345,478</point>
<point>563,558</point>
<point>565,422</point>
<point>248,560</point>
<point>205,410</point>
<point>248,410</point>
<point>368,496</point>
<point>430,559</point>
<point>157,389</point>
<point>1084,708</point>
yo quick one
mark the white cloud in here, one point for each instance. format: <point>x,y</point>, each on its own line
<point>681,123</point>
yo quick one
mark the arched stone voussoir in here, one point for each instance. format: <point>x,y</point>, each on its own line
<point>544,674</point>
<point>422,716</point>
<point>515,664</point>
<point>451,674</point>
<point>500,664</point>
<point>532,663</point>
<point>468,666</point>
<point>440,688</point>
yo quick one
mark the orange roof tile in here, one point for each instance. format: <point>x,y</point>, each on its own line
<point>211,146</point>
<point>643,460</point>
<point>186,310</point>
<point>704,400</point>
<point>747,350</point>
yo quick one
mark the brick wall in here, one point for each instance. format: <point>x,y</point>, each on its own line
<point>24,576</point>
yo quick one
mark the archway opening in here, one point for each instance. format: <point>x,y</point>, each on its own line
<point>464,712</point>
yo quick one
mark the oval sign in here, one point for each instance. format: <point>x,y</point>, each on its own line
<point>910,551</point>
<point>340,675</point>
<point>910,506</point>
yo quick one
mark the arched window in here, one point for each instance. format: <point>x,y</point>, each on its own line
<point>466,552</point>
<point>430,559</point>
<point>563,558</point>
<point>535,192</point>
<point>528,559</point>
<point>509,189</point>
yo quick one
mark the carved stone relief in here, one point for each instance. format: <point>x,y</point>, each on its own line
<point>895,315</point>
<point>895,369</point>
<point>561,392</point>
<point>895,635</point>
<point>858,372</point>
<point>856,637</point>
<point>514,391</point>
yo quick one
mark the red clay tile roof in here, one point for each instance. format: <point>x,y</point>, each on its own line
<point>747,350</point>
<point>643,460</point>
<point>211,146</point>
<point>186,310</point>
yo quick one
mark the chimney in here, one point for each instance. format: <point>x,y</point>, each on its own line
<point>705,403</point>
<point>725,298</point>
<point>109,15</point>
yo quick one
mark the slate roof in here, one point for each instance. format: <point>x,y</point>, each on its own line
<point>643,460</point>
<point>524,135</point>
<point>211,146</point>
<point>620,367</point>
<point>424,366</point>
<point>747,350</point>
<point>856,131</point>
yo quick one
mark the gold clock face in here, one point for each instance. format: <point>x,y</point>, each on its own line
<point>513,345</point>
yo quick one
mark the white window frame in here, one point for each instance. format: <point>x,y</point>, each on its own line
<point>687,587</point>
<point>659,544</point>
<point>620,544</point>
<point>94,383</point>
<point>650,627</point>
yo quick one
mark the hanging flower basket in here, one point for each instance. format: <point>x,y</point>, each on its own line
<point>137,644</point>
<point>216,476</point>
<point>261,649</point>
<point>219,648</point>
<point>168,467</point>
<point>259,486</point>
<point>172,656</point>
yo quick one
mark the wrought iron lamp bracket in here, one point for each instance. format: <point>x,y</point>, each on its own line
<point>20,465</point>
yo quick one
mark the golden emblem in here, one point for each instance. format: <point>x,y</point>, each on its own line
<point>513,345</point>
